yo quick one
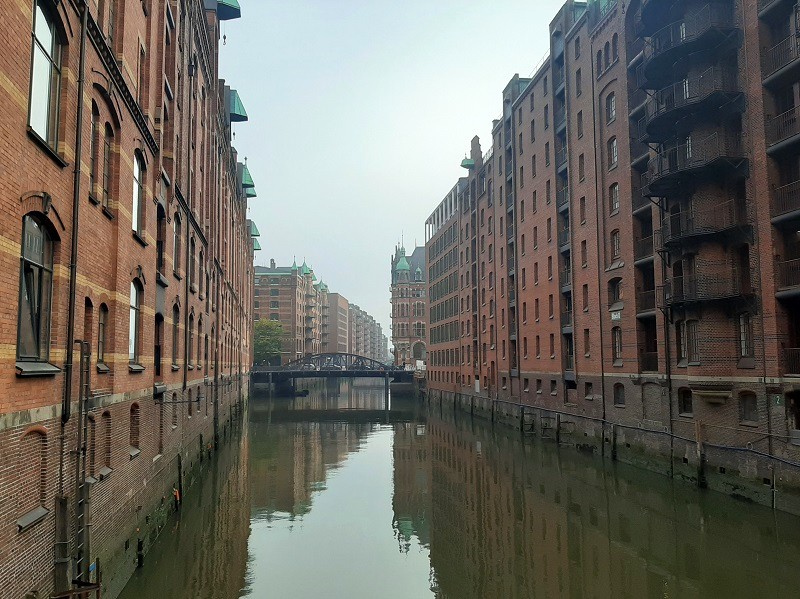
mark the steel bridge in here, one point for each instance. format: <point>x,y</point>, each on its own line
<point>331,365</point>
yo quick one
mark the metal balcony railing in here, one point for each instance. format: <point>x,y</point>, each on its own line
<point>689,28</point>
<point>558,77</point>
<point>639,200</point>
<point>786,198</point>
<point>566,276</point>
<point>512,295</point>
<point>559,117</point>
<point>765,4</point>
<point>566,318</point>
<point>569,362</point>
<point>783,126</point>
<point>636,98</point>
<point>510,231</point>
<point>562,196</point>
<point>692,154</point>
<point>561,157</point>
<point>700,287</point>
<point>781,54</point>
<point>648,361</point>
<point>788,273</point>
<point>714,219</point>
<point>563,236</point>
<point>791,361</point>
<point>646,300</point>
<point>643,248</point>
<point>690,91</point>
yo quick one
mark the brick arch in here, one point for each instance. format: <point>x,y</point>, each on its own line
<point>102,85</point>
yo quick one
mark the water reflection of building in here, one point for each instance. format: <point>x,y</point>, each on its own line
<point>291,460</point>
<point>515,520</point>
<point>411,501</point>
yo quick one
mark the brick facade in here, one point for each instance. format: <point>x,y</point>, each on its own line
<point>409,305</point>
<point>627,246</point>
<point>162,266</point>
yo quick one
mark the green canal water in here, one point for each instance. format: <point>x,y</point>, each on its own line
<point>332,496</point>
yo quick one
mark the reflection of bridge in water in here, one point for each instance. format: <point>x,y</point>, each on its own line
<point>330,366</point>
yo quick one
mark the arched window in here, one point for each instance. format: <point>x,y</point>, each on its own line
<point>36,286</point>
<point>619,394</point>
<point>102,322</point>
<point>176,339</point>
<point>614,290</point>
<point>612,152</point>
<point>190,343</point>
<point>190,274</point>
<point>748,407</point>
<point>137,207</point>
<point>199,342</point>
<point>599,62</point>
<point>176,242</point>
<point>174,410</point>
<point>91,445</point>
<point>106,420</point>
<point>615,47</point>
<point>45,75</point>
<point>161,237</point>
<point>94,143</point>
<point>134,428</point>
<point>158,344</point>
<point>616,344</point>
<point>611,107</point>
<point>108,166</point>
<point>615,244</point>
<point>200,275</point>
<point>32,472</point>
<point>134,331</point>
<point>606,55</point>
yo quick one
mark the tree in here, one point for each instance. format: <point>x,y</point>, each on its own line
<point>267,335</point>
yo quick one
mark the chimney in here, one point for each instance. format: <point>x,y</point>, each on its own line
<point>272,263</point>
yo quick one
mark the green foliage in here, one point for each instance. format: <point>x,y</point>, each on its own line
<point>267,336</point>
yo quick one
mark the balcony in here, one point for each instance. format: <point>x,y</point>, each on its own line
<point>569,362</point>
<point>645,301</point>
<point>559,120</point>
<point>566,319</point>
<point>563,238</point>
<point>566,279</point>
<point>562,197</point>
<point>709,27</point>
<point>699,288</point>
<point>791,361</point>
<point>639,201</point>
<point>786,202</point>
<point>510,232</point>
<point>561,157</point>
<point>558,79</point>
<point>780,63</point>
<point>703,95</point>
<point>637,101</point>
<point>512,297</point>
<point>719,154</point>
<point>651,13</point>
<point>643,248</point>
<point>648,360</point>
<point>783,131</point>
<point>724,221</point>
<point>788,279</point>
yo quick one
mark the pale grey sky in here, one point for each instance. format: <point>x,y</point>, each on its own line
<point>360,113</point>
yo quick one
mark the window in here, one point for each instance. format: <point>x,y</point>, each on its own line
<point>36,286</point>
<point>176,317</point>
<point>599,63</point>
<point>521,179</point>
<point>693,340</point>
<point>550,307</point>
<point>587,344</point>
<point>552,346</point>
<point>102,322</point>
<point>580,123</point>
<point>93,147</point>
<point>538,346</point>
<point>680,340</point>
<point>581,168</point>
<point>606,56</point>
<point>584,257</point>
<point>134,322</point>
<point>547,153</point>
<point>535,273</point>
<point>611,107</point>
<point>522,243</point>
<point>32,474</point>
<point>190,343</point>
<point>615,48</point>
<point>108,166</point>
<point>578,84</point>
<point>190,275</point>
<point>615,241</point>
<point>588,390</point>
<point>685,407</point>
<point>546,116</point>
<point>137,208</point>
<point>612,153</point>
<point>616,344</point>
<point>613,197</point>
<point>549,229</point>
<point>577,47</point>
<point>45,76</point>
<point>544,86</point>
<point>619,394</point>
<point>585,297</point>
<point>134,428</point>
<point>176,242</point>
<point>748,407</point>
<point>533,130</point>
<point>614,291</point>
<point>744,335</point>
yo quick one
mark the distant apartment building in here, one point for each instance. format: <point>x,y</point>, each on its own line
<point>366,335</point>
<point>627,248</point>
<point>337,325</point>
<point>408,300</point>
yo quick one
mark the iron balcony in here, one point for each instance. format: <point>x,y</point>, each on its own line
<point>699,288</point>
<point>725,221</point>
<point>786,202</point>
<point>783,131</point>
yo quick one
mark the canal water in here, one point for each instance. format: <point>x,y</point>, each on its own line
<point>333,496</point>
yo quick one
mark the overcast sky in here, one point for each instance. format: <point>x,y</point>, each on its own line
<point>360,113</point>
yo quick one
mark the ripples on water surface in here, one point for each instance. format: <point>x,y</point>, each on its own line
<point>331,496</point>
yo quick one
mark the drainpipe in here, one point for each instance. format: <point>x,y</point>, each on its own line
<point>61,569</point>
<point>188,275</point>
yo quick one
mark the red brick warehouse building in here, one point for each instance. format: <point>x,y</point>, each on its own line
<point>127,260</point>
<point>627,248</point>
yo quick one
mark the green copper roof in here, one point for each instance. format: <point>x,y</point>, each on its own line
<point>468,163</point>
<point>247,180</point>
<point>256,245</point>
<point>304,270</point>
<point>228,9</point>
<point>294,264</point>
<point>254,230</point>
<point>238,113</point>
<point>402,264</point>
<point>250,192</point>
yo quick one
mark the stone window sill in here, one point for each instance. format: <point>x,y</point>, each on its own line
<point>102,368</point>
<point>135,368</point>
<point>47,149</point>
<point>135,452</point>
<point>175,368</point>
<point>93,199</point>
<point>161,280</point>
<point>104,473</point>
<point>33,517</point>
<point>29,369</point>
<point>137,236</point>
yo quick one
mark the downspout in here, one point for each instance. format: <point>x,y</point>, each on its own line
<point>188,275</point>
<point>61,570</point>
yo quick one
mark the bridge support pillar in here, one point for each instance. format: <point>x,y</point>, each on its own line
<point>386,392</point>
